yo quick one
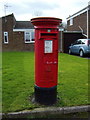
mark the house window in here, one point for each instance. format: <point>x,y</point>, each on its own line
<point>6,37</point>
<point>71,21</point>
<point>29,37</point>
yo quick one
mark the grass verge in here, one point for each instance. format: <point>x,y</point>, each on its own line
<point>18,81</point>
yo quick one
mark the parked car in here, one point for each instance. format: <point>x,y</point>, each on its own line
<point>80,47</point>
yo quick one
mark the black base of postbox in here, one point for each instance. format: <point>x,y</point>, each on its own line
<point>46,96</point>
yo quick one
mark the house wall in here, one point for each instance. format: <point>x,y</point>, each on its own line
<point>19,44</point>
<point>7,26</point>
<point>78,21</point>
<point>16,39</point>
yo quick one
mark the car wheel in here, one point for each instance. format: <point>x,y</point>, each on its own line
<point>81,53</point>
<point>70,51</point>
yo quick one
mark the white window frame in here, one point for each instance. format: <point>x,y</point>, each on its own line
<point>71,21</point>
<point>30,39</point>
<point>6,35</point>
<point>26,36</point>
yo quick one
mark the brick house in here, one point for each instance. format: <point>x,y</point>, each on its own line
<point>16,35</point>
<point>80,21</point>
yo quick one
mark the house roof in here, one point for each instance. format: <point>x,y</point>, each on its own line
<point>8,15</point>
<point>78,13</point>
<point>23,25</point>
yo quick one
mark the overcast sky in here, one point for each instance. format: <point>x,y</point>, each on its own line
<point>27,9</point>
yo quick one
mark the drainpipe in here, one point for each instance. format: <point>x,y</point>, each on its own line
<point>61,39</point>
<point>82,31</point>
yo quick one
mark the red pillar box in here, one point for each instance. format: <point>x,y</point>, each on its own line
<point>46,59</point>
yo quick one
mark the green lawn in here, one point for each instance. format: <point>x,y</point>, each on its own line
<point>18,81</point>
<point>0,82</point>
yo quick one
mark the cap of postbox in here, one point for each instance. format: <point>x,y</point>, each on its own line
<point>41,22</point>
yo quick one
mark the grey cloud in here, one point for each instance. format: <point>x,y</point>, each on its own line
<point>43,5</point>
<point>32,6</point>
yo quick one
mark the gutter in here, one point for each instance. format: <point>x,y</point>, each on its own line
<point>78,13</point>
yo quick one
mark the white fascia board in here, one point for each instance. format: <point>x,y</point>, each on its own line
<point>23,30</point>
<point>30,42</point>
<point>77,14</point>
<point>72,31</point>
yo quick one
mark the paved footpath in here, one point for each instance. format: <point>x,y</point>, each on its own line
<point>47,111</point>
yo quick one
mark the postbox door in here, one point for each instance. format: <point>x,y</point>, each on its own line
<point>50,62</point>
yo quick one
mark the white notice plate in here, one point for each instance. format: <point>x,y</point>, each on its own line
<point>48,46</point>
